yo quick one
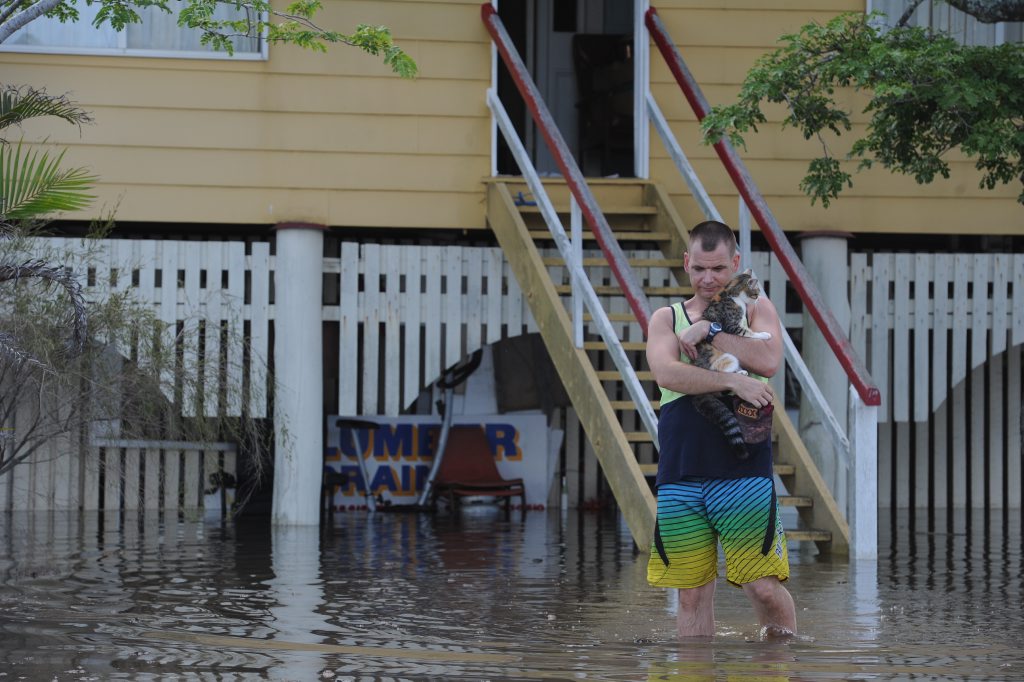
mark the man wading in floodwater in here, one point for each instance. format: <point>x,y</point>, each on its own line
<point>705,493</point>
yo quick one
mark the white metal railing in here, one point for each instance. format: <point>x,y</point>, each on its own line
<point>579,279</point>
<point>796,363</point>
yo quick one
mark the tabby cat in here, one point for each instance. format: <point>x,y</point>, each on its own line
<point>729,309</point>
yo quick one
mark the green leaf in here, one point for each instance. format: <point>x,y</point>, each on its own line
<point>33,184</point>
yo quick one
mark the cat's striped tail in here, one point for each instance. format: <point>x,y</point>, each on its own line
<point>716,412</point>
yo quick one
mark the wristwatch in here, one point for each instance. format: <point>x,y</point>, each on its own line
<point>713,332</point>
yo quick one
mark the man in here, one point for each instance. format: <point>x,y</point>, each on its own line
<point>705,493</point>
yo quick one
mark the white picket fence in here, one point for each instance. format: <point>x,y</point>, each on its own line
<point>198,289</point>
<point>941,334</point>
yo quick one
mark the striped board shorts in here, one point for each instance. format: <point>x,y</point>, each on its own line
<point>696,513</point>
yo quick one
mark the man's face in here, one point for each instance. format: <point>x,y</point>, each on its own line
<point>710,270</point>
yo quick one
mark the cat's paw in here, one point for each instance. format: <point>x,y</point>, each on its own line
<point>743,372</point>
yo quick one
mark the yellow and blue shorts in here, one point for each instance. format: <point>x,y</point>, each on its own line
<point>696,513</point>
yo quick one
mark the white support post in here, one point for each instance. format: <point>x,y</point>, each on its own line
<point>298,363</point>
<point>864,495</point>
<point>641,88</point>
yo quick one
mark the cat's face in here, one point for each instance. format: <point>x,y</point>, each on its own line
<point>710,271</point>
<point>743,285</point>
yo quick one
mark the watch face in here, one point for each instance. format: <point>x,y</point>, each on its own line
<point>715,327</point>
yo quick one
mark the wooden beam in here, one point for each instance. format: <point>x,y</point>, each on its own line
<point>617,459</point>
<point>823,513</point>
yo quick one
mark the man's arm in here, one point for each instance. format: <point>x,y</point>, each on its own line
<point>672,373</point>
<point>760,356</point>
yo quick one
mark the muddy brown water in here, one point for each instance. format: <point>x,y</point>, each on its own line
<point>558,595</point>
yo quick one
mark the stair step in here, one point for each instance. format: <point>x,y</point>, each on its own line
<point>651,470</point>
<point>638,437</point>
<point>795,501</point>
<point>615,375</point>
<point>608,290</point>
<point>635,236</point>
<point>633,262</point>
<point>612,317</point>
<point>624,209</point>
<point>630,405</point>
<point>785,469</point>
<point>626,345</point>
<point>808,536</point>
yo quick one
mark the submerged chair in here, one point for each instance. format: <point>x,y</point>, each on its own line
<point>468,470</point>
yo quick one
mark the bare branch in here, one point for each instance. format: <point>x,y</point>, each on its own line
<point>25,16</point>
<point>991,11</point>
<point>909,12</point>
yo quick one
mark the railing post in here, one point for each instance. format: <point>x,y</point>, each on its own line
<point>864,447</point>
<point>576,235</point>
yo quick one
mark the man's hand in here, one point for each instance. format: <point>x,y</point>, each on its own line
<point>691,336</point>
<point>754,391</point>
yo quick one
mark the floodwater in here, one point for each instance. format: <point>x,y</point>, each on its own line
<point>559,595</point>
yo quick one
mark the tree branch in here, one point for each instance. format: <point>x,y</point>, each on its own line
<point>908,13</point>
<point>991,11</point>
<point>31,13</point>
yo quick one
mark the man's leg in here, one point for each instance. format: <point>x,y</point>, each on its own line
<point>773,604</point>
<point>696,615</point>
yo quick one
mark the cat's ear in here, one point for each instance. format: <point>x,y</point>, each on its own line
<point>748,272</point>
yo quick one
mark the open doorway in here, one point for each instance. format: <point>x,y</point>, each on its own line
<point>580,55</point>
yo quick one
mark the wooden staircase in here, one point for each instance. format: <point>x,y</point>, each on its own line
<point>642,218</point>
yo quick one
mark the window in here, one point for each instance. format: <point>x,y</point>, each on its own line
<point>157,36</point>
<point>962,27</point>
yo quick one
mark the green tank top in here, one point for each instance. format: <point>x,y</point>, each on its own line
<point>682,321</point>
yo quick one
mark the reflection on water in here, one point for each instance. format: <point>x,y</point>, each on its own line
<point>407,596</point>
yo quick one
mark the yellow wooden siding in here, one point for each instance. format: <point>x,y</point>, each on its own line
<point>720,42</point>
<point>337,138</point>
<point>332,138</point>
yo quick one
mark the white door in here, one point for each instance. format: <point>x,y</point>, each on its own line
<point>556,77</point>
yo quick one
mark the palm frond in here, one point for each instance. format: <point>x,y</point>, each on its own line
<point>32,184</point>
<point>20,103</point>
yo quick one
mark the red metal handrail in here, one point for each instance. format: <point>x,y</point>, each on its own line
<point>631,288</point>
<point>770,227</point>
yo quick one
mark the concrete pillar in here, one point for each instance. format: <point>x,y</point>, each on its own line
<point>298,374</point>
<point>824,254</point>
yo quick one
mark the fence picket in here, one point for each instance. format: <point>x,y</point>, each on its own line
<point>994,449</point>
<point>901,338</point>
<point>213,257</point>
<point>172,479</point>
<point>372,300</point>
<point>494,295</point>
<point>168,254</point>
<point>132,478</point>
<point>151,492</point>
<point>190,255</point>
<point>1014,409</point>
<point>259,327</point>
<point>432,327</point>
<point>881,269</point>
<point>979,308</point>
<point>943,266</point>
<point>1018,296</point>
<point>473,310</point>
<point>235,352</point>
<point>999,299</point>
<point>452,306</point>
<point>412,306</point>
<point>392,366</point>
<point>348,330</point>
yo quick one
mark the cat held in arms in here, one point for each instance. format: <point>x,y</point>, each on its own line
<point>729,309</point>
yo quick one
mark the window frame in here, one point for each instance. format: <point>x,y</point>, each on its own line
<point>124,51</point>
